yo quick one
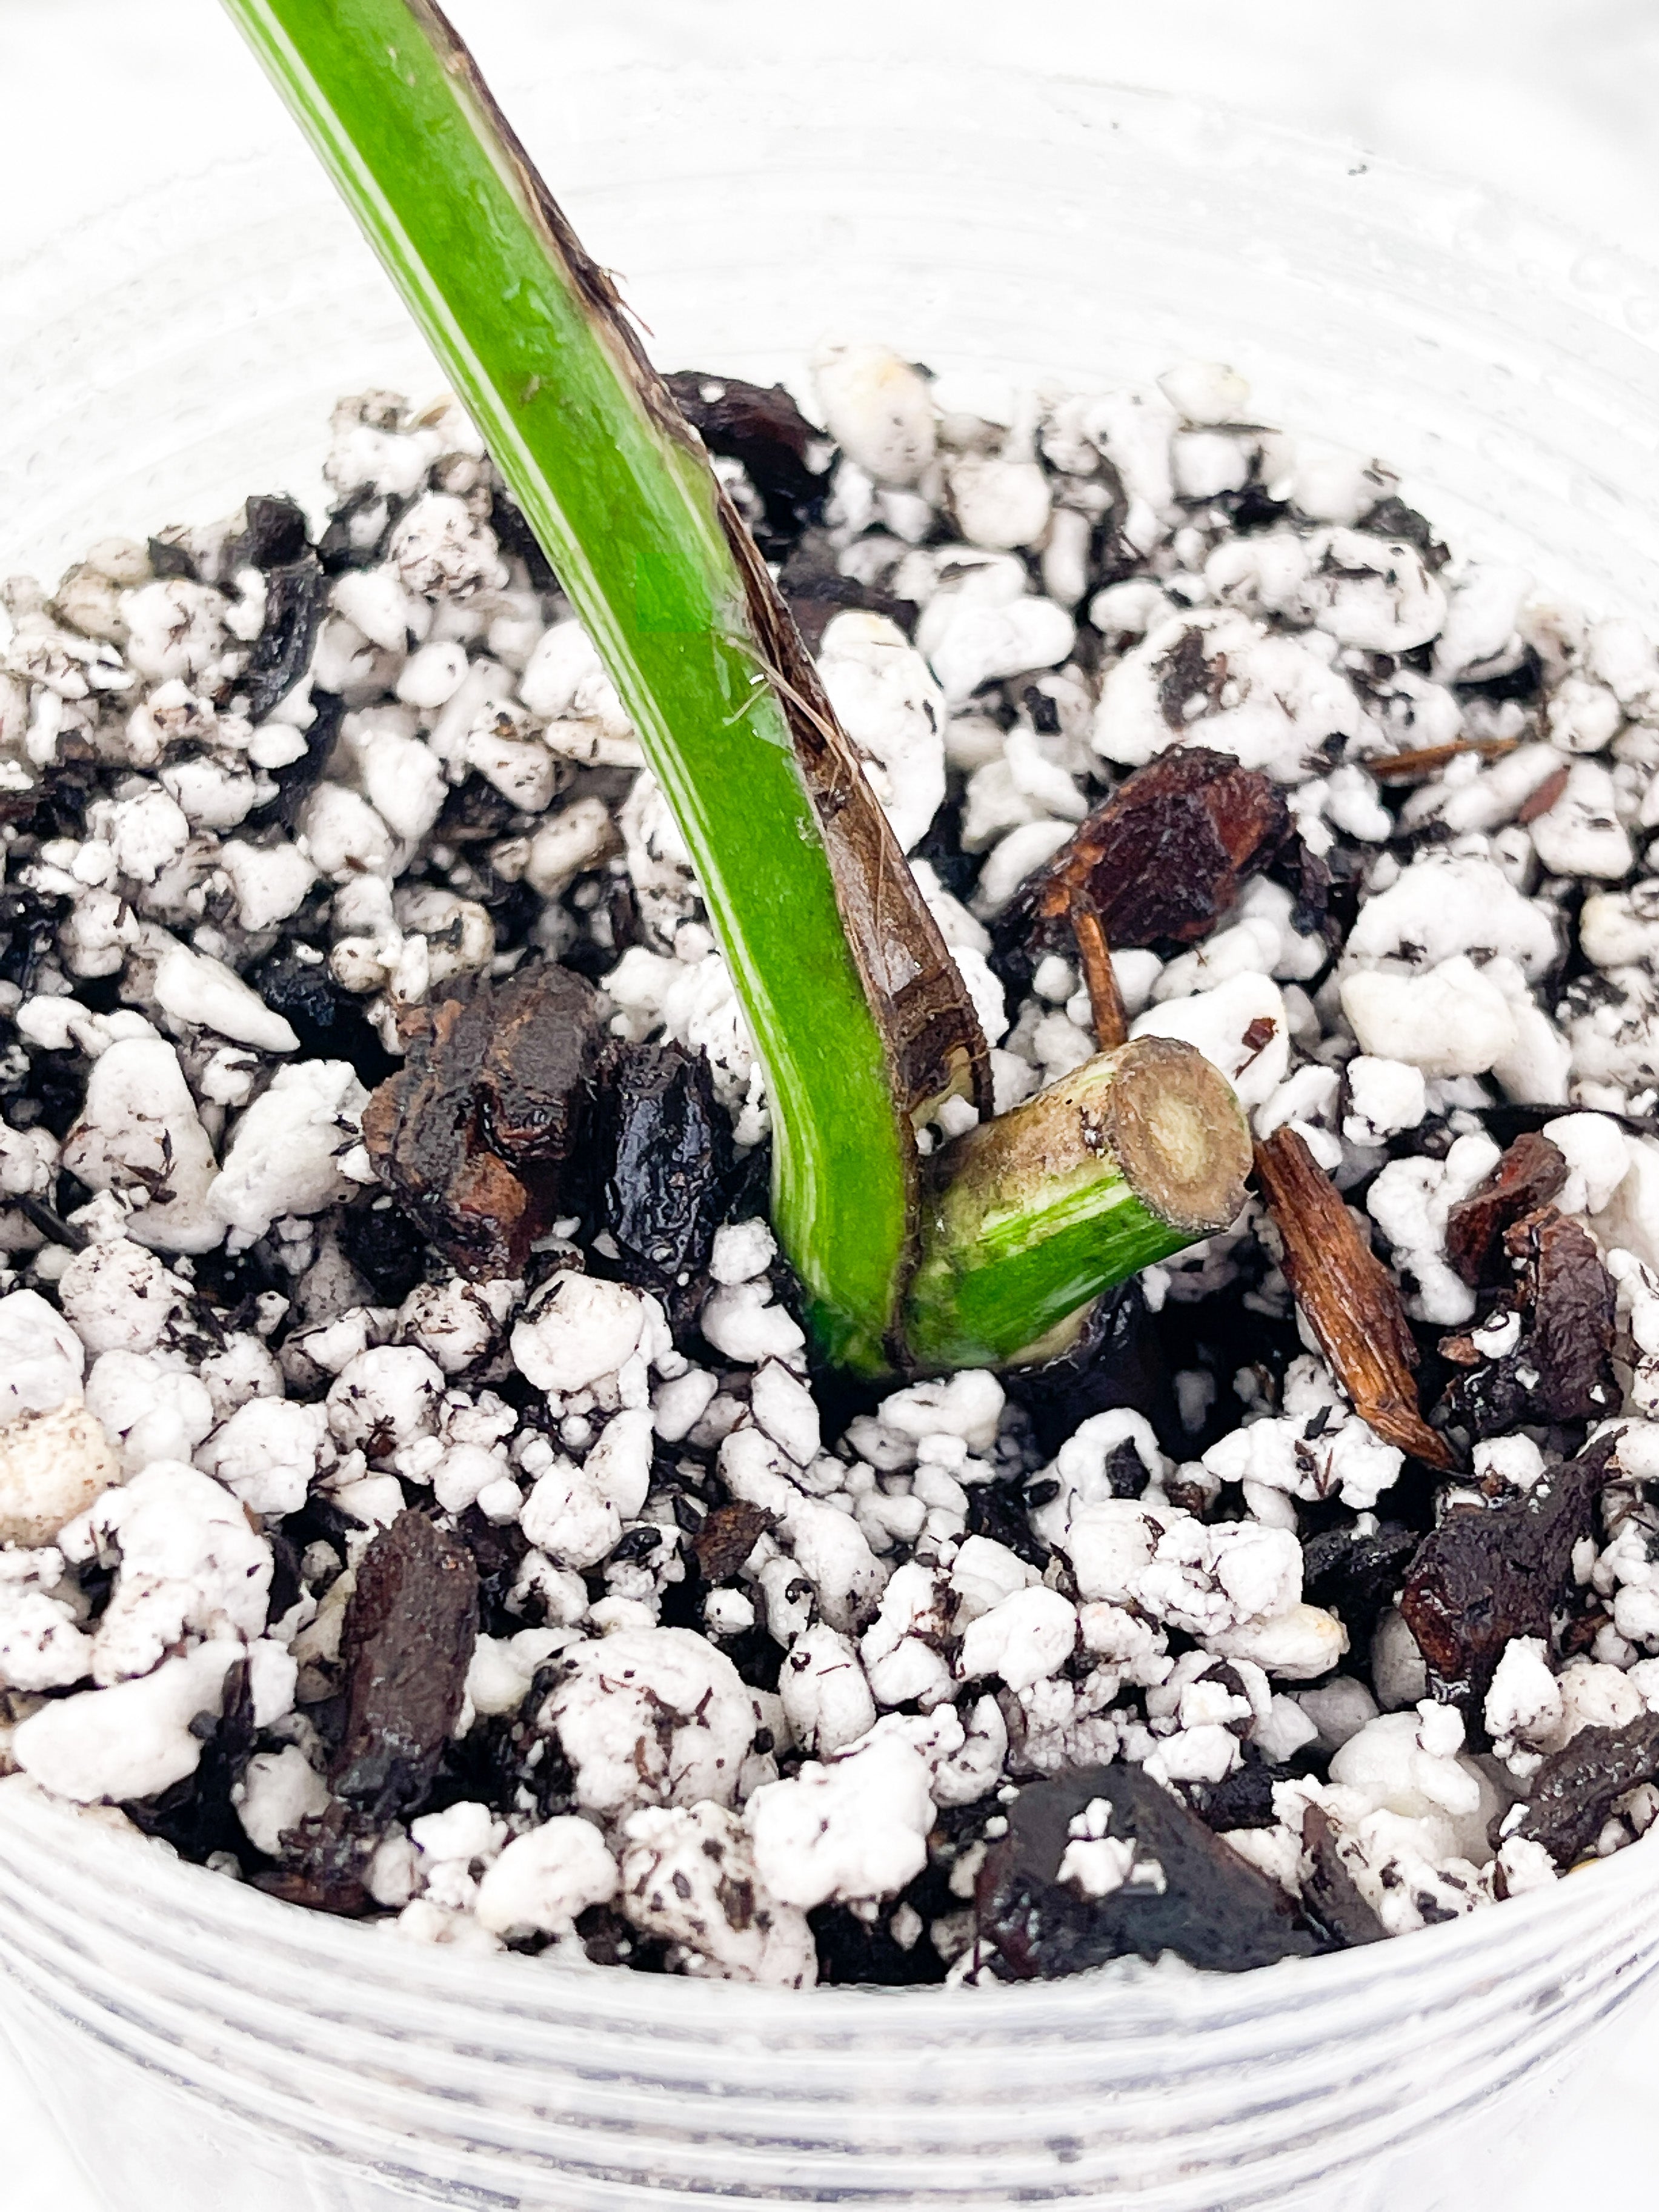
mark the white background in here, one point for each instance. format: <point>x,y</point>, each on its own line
<point>1552,100</point>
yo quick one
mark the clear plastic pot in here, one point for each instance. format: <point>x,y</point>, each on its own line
<point>203,2045</point>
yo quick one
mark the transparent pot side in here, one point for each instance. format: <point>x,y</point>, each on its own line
<point>192,2035</point>
<point>185,2030</point>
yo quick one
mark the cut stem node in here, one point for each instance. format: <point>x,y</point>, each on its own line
<point>1100,980</point>
<point>1134,1155</point>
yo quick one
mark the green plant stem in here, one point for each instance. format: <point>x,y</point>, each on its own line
<point>858,1014</point>
<point>621,496</point>
<point>1130,1158</point>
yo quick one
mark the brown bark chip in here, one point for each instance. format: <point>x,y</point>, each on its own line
<point>1351,1302</point>
<point>1574,1317</point>
<point>1561,1368</point>
<point>1164,857</point>
<point>760,425</point>
<point>1575,1790</point>
<point>1196,1896</point>
<point>1527,1176</point>
<point>1330,1896</point>
<point>411,1627</point>
<point>327,1874</point>
<point>1484,1577</point>
<point>471,1133</point>
<point>727,1537</point>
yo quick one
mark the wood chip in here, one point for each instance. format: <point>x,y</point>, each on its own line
<point>727,1537</point>
<point>1416,768</point>
<point>1349,1296</point>
<point>1527,1176</point>
<point>472,1133</point>
<point>1204,1901</point>
<point>409,1629</point>
<point>1486,1575</point>
<point>761,427</point>
<point>1577,1786</point>
<point>1163,858</point>
<point>1561,1367</point>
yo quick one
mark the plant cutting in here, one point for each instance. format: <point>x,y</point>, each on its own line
<point>861,1021</point>
<point>421,1500</point>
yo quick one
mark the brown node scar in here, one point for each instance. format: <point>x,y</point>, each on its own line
<point>1349,1296</point>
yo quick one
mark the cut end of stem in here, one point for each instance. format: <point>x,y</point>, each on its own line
<point>1179,1133</point>
<point>1133,1156</point>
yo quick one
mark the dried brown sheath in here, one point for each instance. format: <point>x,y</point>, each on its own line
<point>916,994</point>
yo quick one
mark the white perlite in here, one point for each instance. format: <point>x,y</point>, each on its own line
<point>187,1561</point>
<point>133,1739</point>
<point>41,1358</point>
<point>856,1828</point>
<point>654,1714</point>
<point>544,1881</point>
<point>689,1875</point>
<point>52,1466</point>
<point>229,1374</point>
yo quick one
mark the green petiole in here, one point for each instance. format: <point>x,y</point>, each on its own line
<point>620,493</point>
<point>858,1016</point>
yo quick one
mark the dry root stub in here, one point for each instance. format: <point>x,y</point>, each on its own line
<point>1483,1577</point>
<point>472,1136</point>
<point>1094,954</point>
<point>1186,1891</point>
<point>1351,1302</point>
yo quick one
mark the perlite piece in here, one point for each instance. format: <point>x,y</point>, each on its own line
<point>1133,1156</point>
